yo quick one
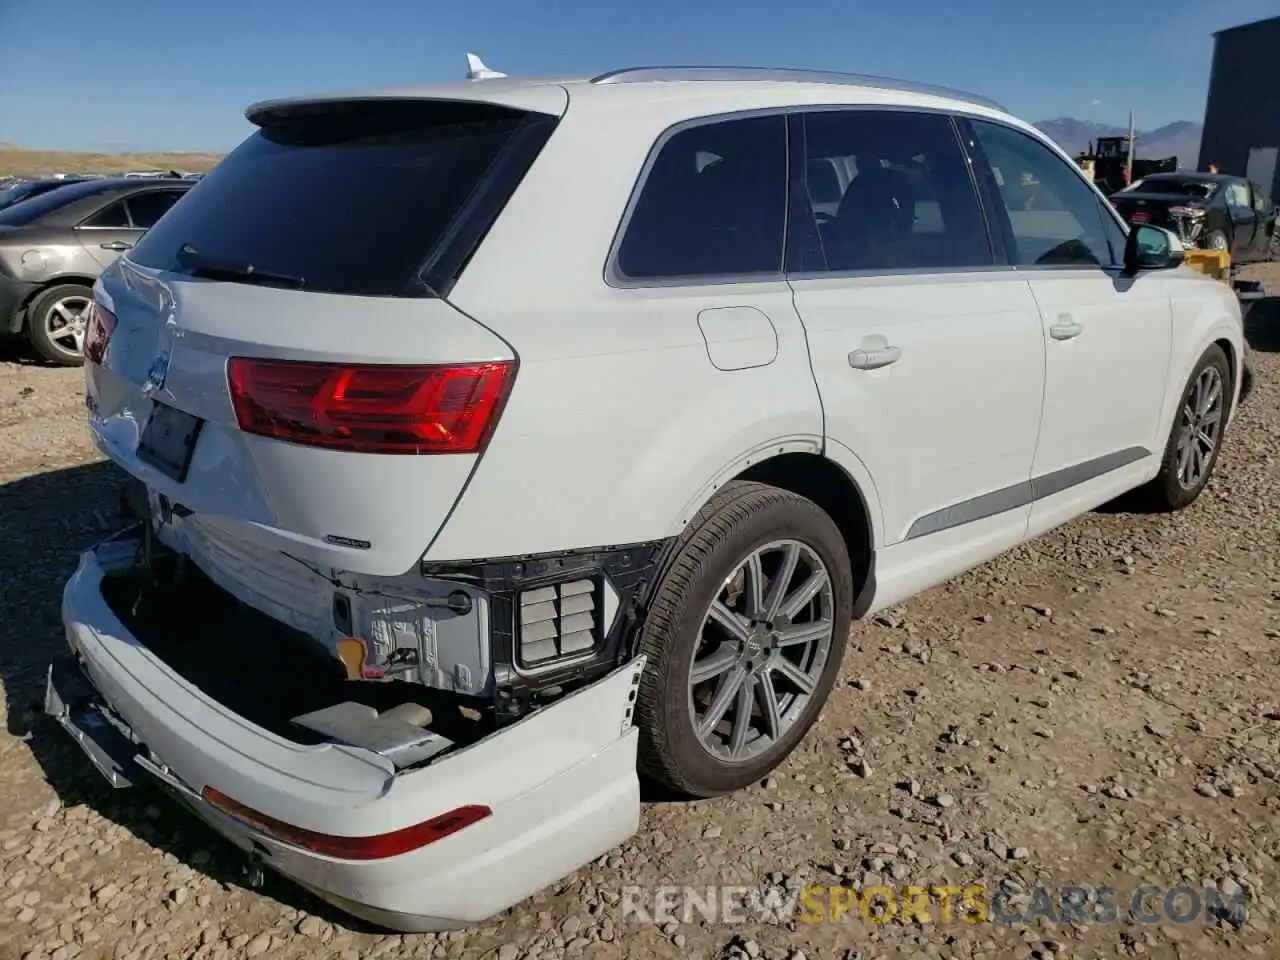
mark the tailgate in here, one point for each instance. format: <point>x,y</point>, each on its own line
<point>279,354</point>
<point>366,512</point>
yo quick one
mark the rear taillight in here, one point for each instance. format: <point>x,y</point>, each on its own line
<point>350,848</point>
<point>99,325</point>
<point>371,408</point>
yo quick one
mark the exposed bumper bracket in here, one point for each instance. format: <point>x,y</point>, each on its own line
<point>71,700</point>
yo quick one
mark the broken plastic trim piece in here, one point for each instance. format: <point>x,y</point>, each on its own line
<point>359,725</point>
<point>377,847</point>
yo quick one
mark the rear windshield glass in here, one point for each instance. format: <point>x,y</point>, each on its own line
<point>1178,188</point>
<point>33,208</point>
<point>348,199</point>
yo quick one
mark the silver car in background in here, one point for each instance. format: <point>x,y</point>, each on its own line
<point>53,248</point>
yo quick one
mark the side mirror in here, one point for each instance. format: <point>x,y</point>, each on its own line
<point>1152,248</point>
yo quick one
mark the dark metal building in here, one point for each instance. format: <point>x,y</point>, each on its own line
<point>1242,116</point>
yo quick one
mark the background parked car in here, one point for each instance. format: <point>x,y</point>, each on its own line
<point>54,246</point>
<point>26,189</point>
<point>1210,210</point>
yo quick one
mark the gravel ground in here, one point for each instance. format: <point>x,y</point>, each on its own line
<point>1099,708</point>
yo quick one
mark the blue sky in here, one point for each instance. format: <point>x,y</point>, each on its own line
<point>138,74</point>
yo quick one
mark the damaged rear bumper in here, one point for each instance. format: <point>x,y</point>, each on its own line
<point>559,785</point>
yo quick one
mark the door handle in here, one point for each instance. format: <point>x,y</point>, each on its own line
<point>116,245</point>
<point>1066,328</point>
<point>874,359</point>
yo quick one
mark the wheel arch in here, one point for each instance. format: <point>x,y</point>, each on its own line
<point>818,478</point>
<point>52,282</point>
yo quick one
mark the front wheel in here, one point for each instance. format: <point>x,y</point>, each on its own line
<point>744,639</point>
<point>1198,427</point>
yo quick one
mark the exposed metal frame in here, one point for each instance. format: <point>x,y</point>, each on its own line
<point>789,75</point>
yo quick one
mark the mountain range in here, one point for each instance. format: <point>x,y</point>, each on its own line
<point>1180,139</point>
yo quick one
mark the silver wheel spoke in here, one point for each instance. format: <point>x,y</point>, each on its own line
<point>741,718</point>
<point>804,593</point>
<point>769,706</point>
<point>1205,440</point>
<point>805,633</point>
<point>730,621</point>
<point>755,588</point>
<point>710,667</point>
<point>778,589</point>
<point>803,682</point>
<point>1184,458</point>
<point>730,684</point>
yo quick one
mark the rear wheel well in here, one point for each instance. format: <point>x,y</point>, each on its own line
<point>818,479</point>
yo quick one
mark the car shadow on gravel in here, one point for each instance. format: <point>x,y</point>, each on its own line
<point>46,521</point>
<point>1262,325</point>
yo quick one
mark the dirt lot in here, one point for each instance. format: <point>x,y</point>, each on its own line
<point>23,162</point>
<point>1100,708</point>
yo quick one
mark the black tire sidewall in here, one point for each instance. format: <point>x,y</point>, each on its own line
<point>36,310</point>
<point>680,760</point>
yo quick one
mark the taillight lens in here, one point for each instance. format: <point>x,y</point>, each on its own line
<point>350,848</point>
<point>370,408</point>
<point>99,325</point>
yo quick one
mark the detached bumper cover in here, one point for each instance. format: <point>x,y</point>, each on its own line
<point>561,783</point>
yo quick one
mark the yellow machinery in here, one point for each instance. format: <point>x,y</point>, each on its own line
<point>1215,263</point>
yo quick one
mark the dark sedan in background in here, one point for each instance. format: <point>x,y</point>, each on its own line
<point>54,246</point>
<point>19,189</point>
<point>1213,211</point>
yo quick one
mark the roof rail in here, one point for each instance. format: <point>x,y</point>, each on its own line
<point>789,74</point>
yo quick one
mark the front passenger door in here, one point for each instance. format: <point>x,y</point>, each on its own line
<point>1107,336</point>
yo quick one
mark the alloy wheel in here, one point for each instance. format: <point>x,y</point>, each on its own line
<point>761,651</point>
<point>64,324</point>
<point>1200,427</point>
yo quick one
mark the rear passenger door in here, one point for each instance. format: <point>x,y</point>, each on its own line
<point>1107,337</point>
<point>927,351</point>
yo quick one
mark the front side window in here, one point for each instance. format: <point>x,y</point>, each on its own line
<point>1053,216</point>
<point>908,202</point>
<point>713,204</point>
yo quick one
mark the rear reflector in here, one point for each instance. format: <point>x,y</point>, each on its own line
<point>99,325</point>
<point>350,848</point>
<point>371,408</point>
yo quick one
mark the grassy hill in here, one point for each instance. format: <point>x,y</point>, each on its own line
<point>17,160</point>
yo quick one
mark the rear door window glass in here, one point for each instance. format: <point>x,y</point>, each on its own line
<point>112,215</point>
<point>905,201</point>
<point>713,204</point>
<point>347,198</point>
<point>145,209</point>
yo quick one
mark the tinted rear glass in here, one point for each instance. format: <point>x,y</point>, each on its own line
<point>1172,187</point>
<point>348,199</point>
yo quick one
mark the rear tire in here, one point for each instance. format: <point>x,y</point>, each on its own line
<point>56,322</point>
<point>1196,437</point>
<point>733,554</point>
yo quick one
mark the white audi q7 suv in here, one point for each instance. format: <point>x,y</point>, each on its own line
<point>497,440</point>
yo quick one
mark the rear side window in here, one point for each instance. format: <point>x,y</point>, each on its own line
<point>346,198</point>
<point>908,203</point>
<point>112,215</point>
<point>145,209</point>
<point>713,204</point>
